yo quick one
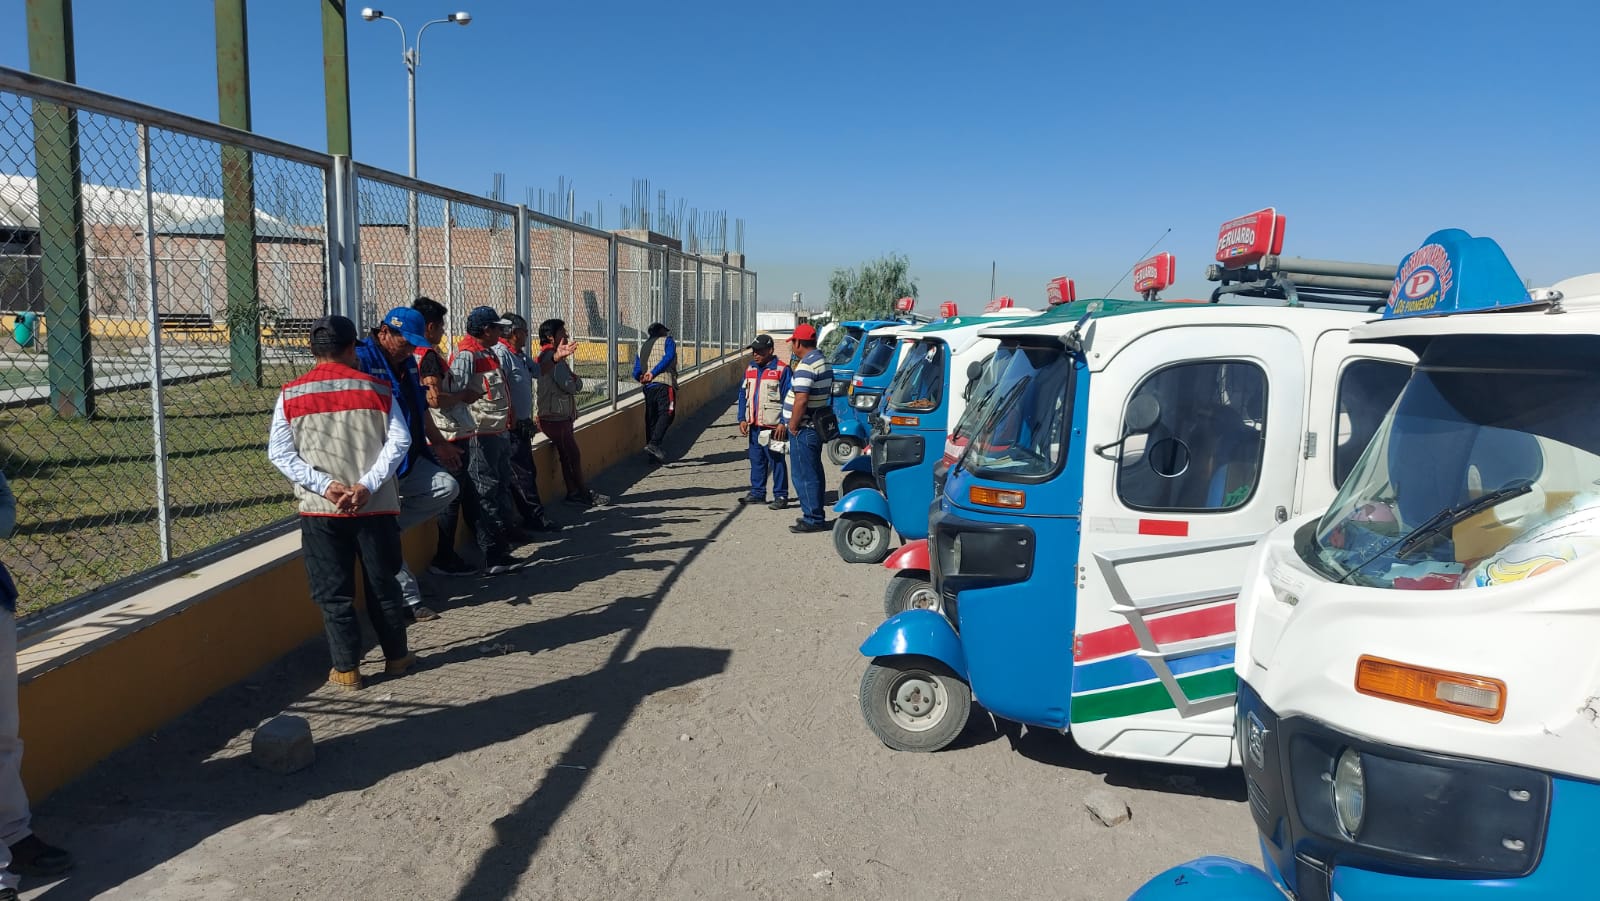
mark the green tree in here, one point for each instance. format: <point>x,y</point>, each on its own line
<point>870,291</point>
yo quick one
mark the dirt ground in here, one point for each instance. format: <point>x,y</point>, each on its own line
<point>664,706</point>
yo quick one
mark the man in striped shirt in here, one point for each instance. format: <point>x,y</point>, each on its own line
<point>337,437</point>
<point>810,388</point>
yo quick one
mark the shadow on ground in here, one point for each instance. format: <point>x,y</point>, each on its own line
<point>187,771</point>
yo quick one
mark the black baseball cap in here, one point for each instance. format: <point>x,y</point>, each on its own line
<point>762,342</point>
<point>332,333</point>
<point>517,322</point>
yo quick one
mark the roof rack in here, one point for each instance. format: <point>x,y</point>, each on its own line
<point>1297,281</point>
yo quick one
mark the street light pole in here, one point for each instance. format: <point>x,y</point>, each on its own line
<point>411,55</point>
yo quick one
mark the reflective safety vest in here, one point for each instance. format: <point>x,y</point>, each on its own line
<point>491,413</point>
<point>340,421</point>
<point>763,394</point>
<point>455,422</point>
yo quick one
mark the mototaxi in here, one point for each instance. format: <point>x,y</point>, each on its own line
<point>1086,546</point>
<point>1417,711</point>
<point>930,390</point>
<point>864,390</point>
<point>844,355</point>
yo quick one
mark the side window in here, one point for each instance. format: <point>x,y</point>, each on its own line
<point>1204,451</point>
<point>1367,389</point>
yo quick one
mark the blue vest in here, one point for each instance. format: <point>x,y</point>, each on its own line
<point>411,401</point>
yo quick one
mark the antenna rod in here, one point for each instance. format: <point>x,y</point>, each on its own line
<point>991,281</point>
<point>1136,261</point>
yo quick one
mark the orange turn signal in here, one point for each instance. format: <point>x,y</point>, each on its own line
<point>902,420</point>
<point>996,497</point>
<point>1476,697</point>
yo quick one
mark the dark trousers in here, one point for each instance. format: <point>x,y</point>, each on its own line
<point>805,458</point>
<point>331,545</point>
<point>479,502</point>
<point>658,412</point>
<point>559,431</point>
<point>763,461</point>
<point>525,474</point>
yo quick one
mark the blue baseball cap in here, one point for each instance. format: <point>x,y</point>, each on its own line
<point>482,317</point>
<point>409,324</point>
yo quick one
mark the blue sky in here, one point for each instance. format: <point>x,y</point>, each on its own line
<point>1051,138</point>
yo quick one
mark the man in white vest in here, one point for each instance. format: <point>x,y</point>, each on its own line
<point>766,381</point>
<point>338,438</point>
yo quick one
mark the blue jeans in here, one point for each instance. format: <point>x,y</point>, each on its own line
<point>805,462</point>
<point>761,462</point>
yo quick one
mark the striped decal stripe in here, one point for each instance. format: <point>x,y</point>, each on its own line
<point>334,402</point>
<point>1151,696</point>
<point>1179,627</point>
<point>1130,668</point>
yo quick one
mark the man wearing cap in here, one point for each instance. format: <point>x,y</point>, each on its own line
<point>806,401</point>
<point>426,489</point>
<point>512,351</point>
<point>656,368</point>
<point>474,363</point>
<point>337,436</point>
<point>447,407</point>
<point>766,381</point>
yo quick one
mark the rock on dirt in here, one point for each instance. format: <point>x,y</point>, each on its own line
<point>1107,809</point>
<point>823,876</point>
<point>283,745</point>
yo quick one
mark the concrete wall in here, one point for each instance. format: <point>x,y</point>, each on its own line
<point>95,685</point>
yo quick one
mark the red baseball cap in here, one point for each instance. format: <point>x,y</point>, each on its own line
<point>805,331</point>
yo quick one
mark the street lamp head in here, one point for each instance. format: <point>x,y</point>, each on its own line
<point>371,15</point>
<point>460,18</point>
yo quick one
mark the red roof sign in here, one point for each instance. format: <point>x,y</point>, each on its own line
<point>947,309</point>
<point>904,304</point>
<point>1155,274</point>
<point>1244,241</point>
<point>1061,290</point>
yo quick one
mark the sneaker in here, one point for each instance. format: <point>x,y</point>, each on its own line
<point>802,527</point>
<point>778,503</point>
<point>588,499</point>
<point>752,499</point>
<point>421,613</point>
<point>350,681</point>
<point>399,666</point>
<point>545,525</point>
<point>452,567</point>
<point>502,563</point>
<point>9,894</point>
<point>33,857</point>
<point>656,452</point>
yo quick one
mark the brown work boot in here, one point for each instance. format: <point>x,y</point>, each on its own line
<point>399,666</point>
<point>350,681</point>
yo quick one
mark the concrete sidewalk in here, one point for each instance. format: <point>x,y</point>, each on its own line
<point>663,707</point>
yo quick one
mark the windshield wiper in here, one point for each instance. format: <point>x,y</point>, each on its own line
<point>1446,518</point>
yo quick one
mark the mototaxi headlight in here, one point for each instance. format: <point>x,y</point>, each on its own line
<point>864,401</point>
<point>1349,792</point>
<point>840,388</point>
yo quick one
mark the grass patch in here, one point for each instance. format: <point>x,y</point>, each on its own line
<point>86,489</point>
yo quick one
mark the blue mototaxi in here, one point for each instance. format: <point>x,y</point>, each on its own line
<point>934,381</point>
<point>1417,699</point>
<point>1087,545</point>
<point>844,358</point>
<point>880,357</point>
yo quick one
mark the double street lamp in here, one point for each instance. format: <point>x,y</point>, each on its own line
<point>412,56</point>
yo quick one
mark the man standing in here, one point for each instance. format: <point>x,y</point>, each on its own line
<point>512,351</point>
<point>810,388</point>
<point>766,381</point>
<point>21,852</point>
<point>489,469</point>
<point>426,489</point>
<point>656,368</point>
<point>447,407</point>
<point>337,437</point>
<point>557,399</point>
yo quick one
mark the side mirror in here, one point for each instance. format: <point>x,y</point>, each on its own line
<point>974,370</point>
<point>1143,413</point>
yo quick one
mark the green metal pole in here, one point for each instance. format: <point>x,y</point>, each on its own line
<point>336,76</point>
<point>238,195</point>
<point>61,228</point>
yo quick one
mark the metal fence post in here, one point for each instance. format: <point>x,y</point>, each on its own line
<point>523,255</point>
<point>354,283</point>
<point>413,248</point>
<point>613,327</point>
<point>158,417</point>
<point>700,321</point>
<point>449,268</point>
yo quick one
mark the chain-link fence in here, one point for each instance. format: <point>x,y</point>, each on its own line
<point>158,278</point>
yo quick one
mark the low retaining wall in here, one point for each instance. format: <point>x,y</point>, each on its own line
<point>93,685</point>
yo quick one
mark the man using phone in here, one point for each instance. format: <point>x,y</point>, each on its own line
<point>557,402</point>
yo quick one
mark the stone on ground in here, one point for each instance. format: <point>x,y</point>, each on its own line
<point>283,745</point>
